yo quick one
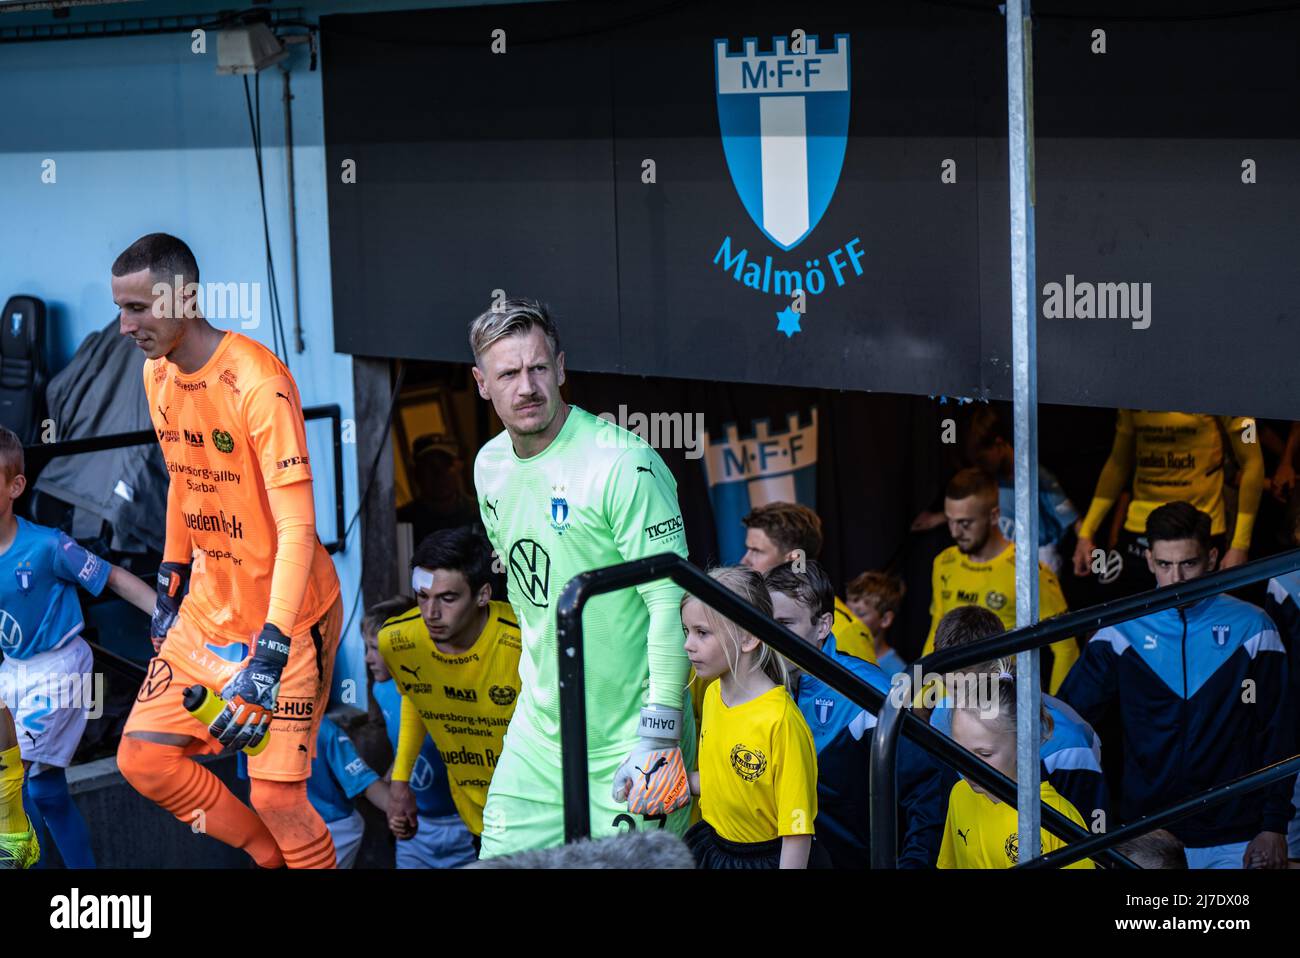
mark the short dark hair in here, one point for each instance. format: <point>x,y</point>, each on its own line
<point>162,254</point>
<point>12,459</point>
<point>464,550</point>
<point>811,588</point>
<point>964,625</point>
<point>1155,849</point>
<point>381,612</point>
<point>789,526</point>
<point>1179,520</point>
<point>971,482</point>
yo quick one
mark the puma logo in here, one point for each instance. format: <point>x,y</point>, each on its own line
<point>962,835</point>
<point>301,747</point>
<point>415,671</point>
<point>285,398</point>
<point>162,410</point>
<point>646,469</point>
<point>660,763</point>
<point>491,507</point>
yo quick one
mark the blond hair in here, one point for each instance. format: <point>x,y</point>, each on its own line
<point>750,586</point>
<point>510,317</point>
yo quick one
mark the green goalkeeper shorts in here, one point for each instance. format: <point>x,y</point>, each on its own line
<point>525,802</point>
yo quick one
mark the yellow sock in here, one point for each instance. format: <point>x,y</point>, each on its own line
<point>12,817</point>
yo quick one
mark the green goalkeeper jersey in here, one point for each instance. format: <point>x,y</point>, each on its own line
<point>596,496</point>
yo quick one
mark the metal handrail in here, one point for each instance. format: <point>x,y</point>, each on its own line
<point>1188,806</point>
<point>884,752</point>
<point>573,707</point>
<point>43,452</point>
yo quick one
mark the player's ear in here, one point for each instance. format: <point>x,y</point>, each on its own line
<point>480,381</point>
<point>559,368</point>
<point>484,595</point>
<point>16,485</point>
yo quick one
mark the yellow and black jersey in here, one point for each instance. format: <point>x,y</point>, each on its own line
<point>982,833</point>
<point>758,767</point>
<point>957,580</point>
<point>1177,456</point>
<point>464,701</point>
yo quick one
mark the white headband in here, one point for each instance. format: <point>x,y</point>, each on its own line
<point>421,579</point>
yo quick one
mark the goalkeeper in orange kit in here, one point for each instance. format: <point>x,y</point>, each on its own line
<point>242,565</point>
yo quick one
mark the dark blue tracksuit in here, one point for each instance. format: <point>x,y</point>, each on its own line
<point>842,734</point>
<point>1202,696</point>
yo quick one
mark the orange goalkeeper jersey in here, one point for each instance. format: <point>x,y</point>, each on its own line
<point>229,432</point>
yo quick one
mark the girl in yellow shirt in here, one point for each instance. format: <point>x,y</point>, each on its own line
<point>981,832</point>
<point>757,781</point>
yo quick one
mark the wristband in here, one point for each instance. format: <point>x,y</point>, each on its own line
<point>660,723</point>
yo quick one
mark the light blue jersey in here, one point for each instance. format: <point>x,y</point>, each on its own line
<point>1056,513</point>
<point>429,780</point>
<point>338,773</point>
<point>39,608</point>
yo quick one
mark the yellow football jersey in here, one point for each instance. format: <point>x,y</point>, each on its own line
<point>464,701</point>
<point>1174,456</point>
<point>958,581</point>
<point>982,833</point>
<point>852,637</point>
<point>758,767</point>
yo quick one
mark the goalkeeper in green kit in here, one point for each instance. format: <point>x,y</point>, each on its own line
<point>562,492</point>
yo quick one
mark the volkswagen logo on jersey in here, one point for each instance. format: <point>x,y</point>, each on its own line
<point>559,511</point>
<point>823,707</point>
<point>11,633</point>
<point>1220,633</point>
<point>422,774</point>
<point>531,566</point>
<point>24,574</point>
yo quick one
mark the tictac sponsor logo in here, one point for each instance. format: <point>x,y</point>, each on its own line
<point>665,529</point>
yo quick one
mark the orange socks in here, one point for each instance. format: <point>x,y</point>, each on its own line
<point>296,825</point>
<point>165,775</point>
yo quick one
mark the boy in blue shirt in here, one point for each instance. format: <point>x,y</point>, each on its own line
<point>48,671</point>
<point>804,603</point>
<point>876,598</point>
<point>441,839</point>
<point>338,775</point>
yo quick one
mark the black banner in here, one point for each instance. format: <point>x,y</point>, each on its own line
<point>817,196</point>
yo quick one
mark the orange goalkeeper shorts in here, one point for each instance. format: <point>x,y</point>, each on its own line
<point>189,656</point>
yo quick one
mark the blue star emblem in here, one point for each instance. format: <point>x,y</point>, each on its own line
<point>788,322</point>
